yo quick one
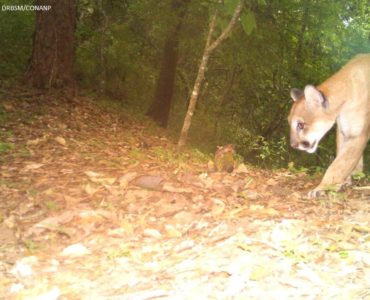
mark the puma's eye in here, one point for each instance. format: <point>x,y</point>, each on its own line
<point>300,125</point>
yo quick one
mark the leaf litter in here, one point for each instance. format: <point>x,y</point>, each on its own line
<point>94,205</point>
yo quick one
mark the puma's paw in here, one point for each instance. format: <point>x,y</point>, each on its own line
<point>315,193</point>
<point>321,190</point>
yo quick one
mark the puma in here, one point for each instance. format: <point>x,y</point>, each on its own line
<point>344,98</point>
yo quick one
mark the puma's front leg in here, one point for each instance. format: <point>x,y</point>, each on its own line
<point>340,138</point>
<point>349,157</point>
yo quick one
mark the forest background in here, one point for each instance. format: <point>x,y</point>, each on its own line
<point>145,55</point>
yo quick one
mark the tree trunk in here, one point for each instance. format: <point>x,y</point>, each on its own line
<point>51,64</point>
<point>300,46</point>
<point>102,49</point>
<point>210,46</point>
<point>161,105</point>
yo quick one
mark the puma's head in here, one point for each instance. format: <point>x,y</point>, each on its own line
<point>309,118</point>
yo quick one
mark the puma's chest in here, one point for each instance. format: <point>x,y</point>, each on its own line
<point>353,122</point>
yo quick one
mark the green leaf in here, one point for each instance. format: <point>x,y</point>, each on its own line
<point>248,22</point>
<point>231,5</point>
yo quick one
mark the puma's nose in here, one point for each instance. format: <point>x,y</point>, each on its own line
<point>293,141</point>
<point>294,144</point>
<point>305,144</point>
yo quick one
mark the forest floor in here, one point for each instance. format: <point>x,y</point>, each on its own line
<point>97,205</point>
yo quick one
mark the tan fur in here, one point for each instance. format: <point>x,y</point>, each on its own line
<point>346,101</point>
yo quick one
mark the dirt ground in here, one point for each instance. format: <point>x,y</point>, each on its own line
<point>97,205</point>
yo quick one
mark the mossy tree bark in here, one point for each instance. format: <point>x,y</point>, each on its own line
<point>51,64</point>
<point>160,108</point>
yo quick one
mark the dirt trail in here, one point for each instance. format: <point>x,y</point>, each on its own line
<point>96,205</point>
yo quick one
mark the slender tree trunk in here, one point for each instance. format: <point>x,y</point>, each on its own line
<point>161,105</point>
<point>53,51</point>
<point>210,46</point>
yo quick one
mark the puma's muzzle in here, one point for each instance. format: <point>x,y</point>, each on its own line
<point>303,145</point>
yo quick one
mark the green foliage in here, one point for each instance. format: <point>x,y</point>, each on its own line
<point>293,169</point>
<point>248,21</point>
<point>51,205</point>
<point>3,115</point>
<point>230,6</point>
<point>31,246</point>
<point>181,159</point>
<point>247,89</point>
<point>244,100</point>
<point>5,146</point>
<point>16,29</point>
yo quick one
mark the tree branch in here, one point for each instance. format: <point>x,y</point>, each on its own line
<point>228,28</point>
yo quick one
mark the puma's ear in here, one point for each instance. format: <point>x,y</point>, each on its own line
<point>314,96</point>
<point>296,94</point>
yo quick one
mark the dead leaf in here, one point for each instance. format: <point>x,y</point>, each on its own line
<point>104,180</point>
<point>127,226</point>
<point>184,218</point>
<point>71,200</point>
<point>241,168</point>
<point>287,231</point>
<point>60,140</point>
<point>271,181</point>
<point>150,232</point>
<point>8,106</point>
<point>75,250</point>
<point>172,231</point>
<point>168,187</point>
<point>211,166</point>
<point>32,166</point>
<point>10,222</point>
<point>34,142</point>
<point>24,266</point>
<point>218,207</point>
<point>48,191</point>
<point>125,179</point>
<point>260,272</point>
<point>89,189</point>
<point>250,194</point>
<point>92,174</point>
<point>149,182</point>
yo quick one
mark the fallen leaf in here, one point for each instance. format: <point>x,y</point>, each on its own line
<point>260,272</point>
<point>149,182</point>
<point>168,187</point>
<point>184,218</point>
<point>218,207</point>
<point>10,222</point>
<point>60,140</point>
<point>52,294</point>
<point>241,168</point>
<point>104,180</point>
<point>32,166</point>
<point>172,231</point>
<point>271,181</point>
<point>23,267</point>
<point>92,174</point>
<point>150,232</point>
<point>125,179</point>
<point>48,191</point>
<point>90,189</point>
<point>287,231</point>
<point>34,142</point>
<point>75,250</point>
<point>211,166</point>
